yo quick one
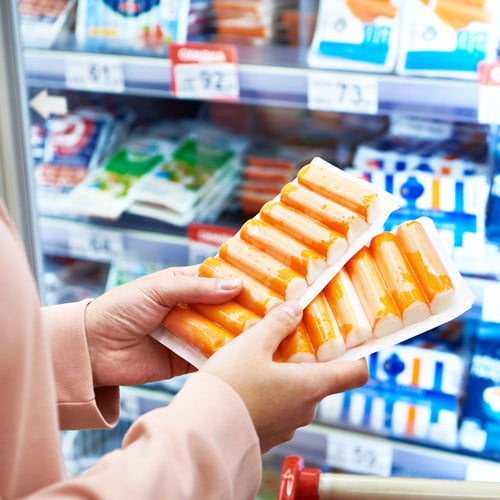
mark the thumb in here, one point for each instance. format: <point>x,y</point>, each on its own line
<point>278,324</point>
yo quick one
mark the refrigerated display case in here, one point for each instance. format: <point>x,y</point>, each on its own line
<point>77,73</point>
<point>16,182</point>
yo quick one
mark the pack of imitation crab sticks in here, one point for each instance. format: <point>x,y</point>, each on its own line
<point>321,242</point>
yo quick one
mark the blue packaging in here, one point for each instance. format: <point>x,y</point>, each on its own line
<point>137,26</point>
<point>492,221</point>
<point>480,426</point>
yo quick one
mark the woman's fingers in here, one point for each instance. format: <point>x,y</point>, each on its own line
<point>276,325</point>
<point>176,286</point>
<point>332,377</point>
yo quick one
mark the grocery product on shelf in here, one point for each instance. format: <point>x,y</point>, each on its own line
<point>70,280</point>
<point>424,281</point>
<point>492,218</point>
<point>356,35</point>
<point>415,391</point>
<point>480,426</point>
<point>249,22</point>
<point>437,170</point>
<point>262,179</point>
<point>42,21</point>
<point>137,26</point>
<point>126,269</point>
<point>299,27</point>
<point>196,181</point>
<point>440,148</point>
<point>68,147</point>
<point>108,191</point>
<point>163,173</point>
<point>447,38</point>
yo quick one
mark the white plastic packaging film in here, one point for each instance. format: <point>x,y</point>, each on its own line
<point>456,303</point>
<point>363,215</point>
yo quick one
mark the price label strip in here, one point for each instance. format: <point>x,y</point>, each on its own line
<point>489,92</point>
<point>204,71</point>
<point>361,456</point>
<point>101,246</point>
<point>327,91</point>
<point>103,75</point>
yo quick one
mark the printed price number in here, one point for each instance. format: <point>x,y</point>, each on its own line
<point>103,75</point>
<point>330,92</point>
<point>210,81</point>
<point>99,246</point>
<point>355,455</point>
<point>204,71</point>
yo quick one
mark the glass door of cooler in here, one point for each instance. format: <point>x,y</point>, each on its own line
<point>16,180</point>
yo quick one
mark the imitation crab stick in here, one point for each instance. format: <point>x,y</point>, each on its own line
<point>196,330</point>
<point>264,268</point>
<point>426,264</point>
<point>254,295</point>
<point>347,309</point>
<point>399,278</point>
<point>322,328</point>
<point>231,316</point>
<point>329,213</point>
<point>325,241</point>
<point>286,249</point>
<point>377,302</point>
<point>297,346</point>
<point>340,188</point>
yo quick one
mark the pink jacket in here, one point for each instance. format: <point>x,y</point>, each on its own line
<point>202,446</point>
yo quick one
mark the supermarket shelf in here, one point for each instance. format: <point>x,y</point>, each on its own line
<point>135,236</point>
<point>103,242</point>
<point>262,73</point>
<point>348,451</point>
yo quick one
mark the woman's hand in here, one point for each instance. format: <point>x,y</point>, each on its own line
<point>118,324</point>
<point>280,396</point>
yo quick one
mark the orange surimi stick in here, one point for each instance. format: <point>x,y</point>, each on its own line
<point>196,330</point>
<point>327,212</point>
<point>286,249</point>
<point>347,309</point>
<point>323,330</point>
<point>341,189</point>
<point>254,296</point>
<point>297,346</point>
<point>377,302</point>
<point>264,268</point>
<point>399,278</point>
<point>325,241</point>
<point>426,264</point>
<point>231,316</point>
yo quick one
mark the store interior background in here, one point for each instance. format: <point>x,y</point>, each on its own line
<point>424,141</point>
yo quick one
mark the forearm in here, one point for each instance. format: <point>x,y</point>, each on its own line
<point>202,445</point>
<point>79,404</point>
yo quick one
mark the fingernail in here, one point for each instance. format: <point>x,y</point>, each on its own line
<point>228,283</point>
<point>292,308</point>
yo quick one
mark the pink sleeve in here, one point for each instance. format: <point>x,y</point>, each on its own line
<point>202,445</point>
<point>80,406</point>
